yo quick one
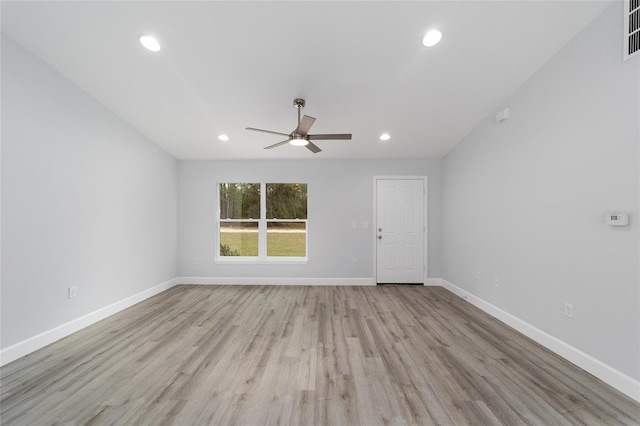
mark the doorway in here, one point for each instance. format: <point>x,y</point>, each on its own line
<point>400,237</point>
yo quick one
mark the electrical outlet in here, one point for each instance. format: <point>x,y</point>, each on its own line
<point>568,310</point>
<point>497,283</point>
<point>72,292</point>
<point>477,275</point>
<point>354,261</point>
<point>195,261</point>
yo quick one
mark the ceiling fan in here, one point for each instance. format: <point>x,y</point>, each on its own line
<point>300,136</point>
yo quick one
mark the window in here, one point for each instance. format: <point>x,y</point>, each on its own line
<point>239,219</point>
<point>262,221</point>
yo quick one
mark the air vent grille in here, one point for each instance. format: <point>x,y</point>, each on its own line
<point>631,28</point>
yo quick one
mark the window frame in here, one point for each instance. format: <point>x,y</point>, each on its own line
<point>262,257</point>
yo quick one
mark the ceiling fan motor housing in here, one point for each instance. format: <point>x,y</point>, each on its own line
<point>298,103</point>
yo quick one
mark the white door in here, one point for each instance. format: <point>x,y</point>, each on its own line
<point>400,231</point>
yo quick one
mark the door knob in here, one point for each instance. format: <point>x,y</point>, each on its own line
<point>379,237</point>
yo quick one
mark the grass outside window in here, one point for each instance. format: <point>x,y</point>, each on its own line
<point>278,244</point>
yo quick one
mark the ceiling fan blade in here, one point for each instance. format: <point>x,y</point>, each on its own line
<point>313,147</point>
<point>277,144</point>
<point>304,126</point>
<point>266,131</point>
<point>344,136</point>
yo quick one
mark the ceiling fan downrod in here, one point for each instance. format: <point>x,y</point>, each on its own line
<point>299,104</point>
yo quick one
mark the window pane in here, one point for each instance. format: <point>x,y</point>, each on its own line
<point>287,239</point>
<point>286,200</point>
<point>238,238</point>
<point>239,201</point>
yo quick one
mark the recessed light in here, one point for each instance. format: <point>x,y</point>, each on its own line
<point>385,137</point>
<point>223,137</point>
<point>150,43</point>
<point>432,38</point>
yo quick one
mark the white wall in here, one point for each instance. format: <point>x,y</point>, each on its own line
<point>340,192</point>
<point>524,200</point>
<point>86,201</point>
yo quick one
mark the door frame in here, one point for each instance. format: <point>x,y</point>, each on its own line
<point>425,222</point>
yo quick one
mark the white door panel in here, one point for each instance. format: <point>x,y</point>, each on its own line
<point>400,231</point>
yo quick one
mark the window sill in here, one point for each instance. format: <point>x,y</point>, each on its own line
<point>231,260</point>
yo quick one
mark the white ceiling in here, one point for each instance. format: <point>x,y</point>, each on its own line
<point>360,66</point>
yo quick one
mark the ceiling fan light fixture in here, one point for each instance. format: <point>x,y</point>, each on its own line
<point>223,137</point>
<point>299,141</point>
<point>150,43</point>
<point>385,137</point>
<point>432,38</point>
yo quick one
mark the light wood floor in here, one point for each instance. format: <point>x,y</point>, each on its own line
<point>218,355</point>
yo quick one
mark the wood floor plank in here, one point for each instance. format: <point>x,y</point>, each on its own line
<point>289,355</point>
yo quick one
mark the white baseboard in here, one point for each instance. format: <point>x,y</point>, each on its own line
<point>604,372</point>
<point>287,281</point>
<point>41,340</point>
<point>273,281</point>
<point>433,282</point>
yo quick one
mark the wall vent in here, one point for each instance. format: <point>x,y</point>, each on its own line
<point>631,33</point>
